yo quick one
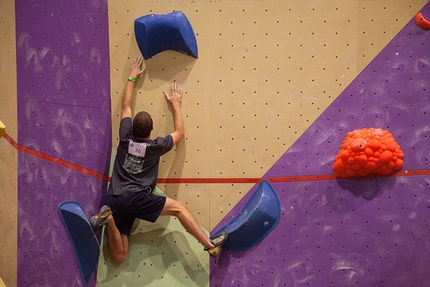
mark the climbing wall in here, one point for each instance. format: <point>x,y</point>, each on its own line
<point>265,73</point>
<point>64,124</point>
<point>8,155</point>
<point>354,232</point>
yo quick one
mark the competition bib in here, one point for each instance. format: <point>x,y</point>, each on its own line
<point>137,149</point>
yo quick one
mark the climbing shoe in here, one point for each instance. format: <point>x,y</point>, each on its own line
<point>218,242</point>
<point>100,219</point>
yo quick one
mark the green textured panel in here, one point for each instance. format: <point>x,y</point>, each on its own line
<point>161,254</point>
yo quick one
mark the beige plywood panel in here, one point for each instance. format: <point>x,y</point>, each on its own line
<point>266,71</point>
<point>8,213</point>
<point>379,23</point>
<point>8,105</point>
<point>8,154</point>
<point>194,196</point>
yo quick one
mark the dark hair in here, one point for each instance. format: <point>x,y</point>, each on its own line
<point>142,125</point>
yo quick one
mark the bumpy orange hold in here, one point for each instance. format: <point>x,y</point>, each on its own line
<point>368,151</point>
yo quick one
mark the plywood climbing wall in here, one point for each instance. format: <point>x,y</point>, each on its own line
<point>354,232</point>
<point>265,73</point>
<point>8,154</point>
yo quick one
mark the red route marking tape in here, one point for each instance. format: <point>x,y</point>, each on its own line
<point>283,178</point>
<point>55,160</point>
<point>200,180</point>
<point>209,180</point>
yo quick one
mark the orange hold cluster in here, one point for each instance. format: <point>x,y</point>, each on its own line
<point>368,151</point>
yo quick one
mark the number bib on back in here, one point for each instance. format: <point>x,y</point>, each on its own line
<point>137,149</point>
<point>135,157</point>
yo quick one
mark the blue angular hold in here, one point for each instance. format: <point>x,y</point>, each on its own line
<point>258,218</point>
<point>82,237</point>
<point>156,33</point>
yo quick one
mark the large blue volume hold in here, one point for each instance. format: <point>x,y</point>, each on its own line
<point>82,237</point>
<point>157,33</point>
<point>258,218</point>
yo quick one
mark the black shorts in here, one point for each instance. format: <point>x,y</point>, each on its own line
<point>127,207</point>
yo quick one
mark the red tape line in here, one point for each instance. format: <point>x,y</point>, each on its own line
<point>55,160</point>
<point>197,180</point>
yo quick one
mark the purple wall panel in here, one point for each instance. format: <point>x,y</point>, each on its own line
<point>64,112</point>
<point>45,255</point>
<point>368,232</point>
<point>77,134</point>
<point>63,71</point>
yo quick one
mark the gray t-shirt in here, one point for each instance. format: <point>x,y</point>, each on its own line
<point>136,163</point>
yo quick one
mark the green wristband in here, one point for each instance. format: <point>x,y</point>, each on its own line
<point>133,79</point>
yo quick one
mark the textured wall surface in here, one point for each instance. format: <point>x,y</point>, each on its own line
<point>8,155</point>
<point>356,232</point>
<point>266,70</point>
<point>63,113</point>
<point>252,108</point>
